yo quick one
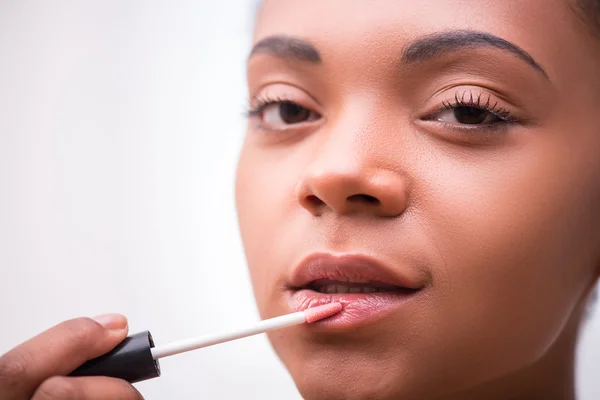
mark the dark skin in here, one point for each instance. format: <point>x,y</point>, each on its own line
<point>483,163</point>
<point>473,168</point>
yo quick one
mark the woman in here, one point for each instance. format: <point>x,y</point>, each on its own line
<point>433,166</point>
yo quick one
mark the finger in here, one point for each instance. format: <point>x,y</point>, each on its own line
<point>58,351</point>
<point>86,388</point>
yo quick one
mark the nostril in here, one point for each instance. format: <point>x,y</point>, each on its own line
<point>314,201</point>
<point>364,198</point>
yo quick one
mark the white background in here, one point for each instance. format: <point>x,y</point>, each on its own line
<point>120,123</point>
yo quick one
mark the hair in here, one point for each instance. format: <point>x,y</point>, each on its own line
<point>589,10</point>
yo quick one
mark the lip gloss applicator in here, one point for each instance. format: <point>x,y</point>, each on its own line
<point>135,359</point>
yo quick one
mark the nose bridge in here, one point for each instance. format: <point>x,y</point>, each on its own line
<point>350,170</point>
<point>353,143</point>
<point>347,151</point>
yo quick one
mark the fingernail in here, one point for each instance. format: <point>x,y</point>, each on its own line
<point>112,321</point>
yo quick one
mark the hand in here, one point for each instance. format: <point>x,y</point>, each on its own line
<point>38,368</point>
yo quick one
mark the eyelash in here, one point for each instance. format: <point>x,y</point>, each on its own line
<point>264,102</point>
<point>466,99</point>
<point>476,102</point>
<point>472,102</point>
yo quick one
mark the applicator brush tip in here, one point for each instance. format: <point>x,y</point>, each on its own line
<point>321,312</point>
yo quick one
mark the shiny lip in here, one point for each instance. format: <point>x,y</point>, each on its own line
<point>359,308</point>
<point>327,266</point>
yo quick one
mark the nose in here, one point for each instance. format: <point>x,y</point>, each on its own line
<point>351,187</point>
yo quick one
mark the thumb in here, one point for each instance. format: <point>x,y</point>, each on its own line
<point>59,350</point>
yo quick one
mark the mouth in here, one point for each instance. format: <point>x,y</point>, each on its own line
<point>342,285</point>
<point>368,289</point>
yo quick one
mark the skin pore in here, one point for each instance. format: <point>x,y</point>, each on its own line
<point>456,141</point>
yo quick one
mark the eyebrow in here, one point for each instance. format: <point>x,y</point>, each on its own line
<point>287,47</point>
<point>423,49</point>
<point>442,43</point>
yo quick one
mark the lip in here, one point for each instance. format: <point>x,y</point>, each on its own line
<point>359,308</point>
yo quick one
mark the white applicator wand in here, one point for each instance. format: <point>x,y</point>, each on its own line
<point>135,359</point>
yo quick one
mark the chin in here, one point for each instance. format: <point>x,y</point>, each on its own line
<point>321,372</point>
<point>349,383</point>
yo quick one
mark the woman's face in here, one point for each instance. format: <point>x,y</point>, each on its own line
<point>432,165</point>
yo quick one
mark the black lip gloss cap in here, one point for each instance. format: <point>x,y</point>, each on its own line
<point>131,360</point>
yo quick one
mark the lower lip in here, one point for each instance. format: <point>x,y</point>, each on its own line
<point>359,308</point>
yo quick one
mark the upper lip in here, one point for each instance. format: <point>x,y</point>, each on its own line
<point>328,266</point>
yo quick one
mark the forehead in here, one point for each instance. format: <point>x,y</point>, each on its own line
<point>547,29</point>
<point>360,16</point>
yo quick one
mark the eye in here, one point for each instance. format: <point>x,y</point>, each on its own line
<point>472,111</point>
<point>285,113</point>
<point>467,115</point>
<point>280,114</point>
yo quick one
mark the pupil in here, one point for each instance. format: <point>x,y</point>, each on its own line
<point>293,113</point>
<point>470,115</point>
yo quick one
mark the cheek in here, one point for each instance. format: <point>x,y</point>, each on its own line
<point>263,200</point>
<point>516,249</point>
